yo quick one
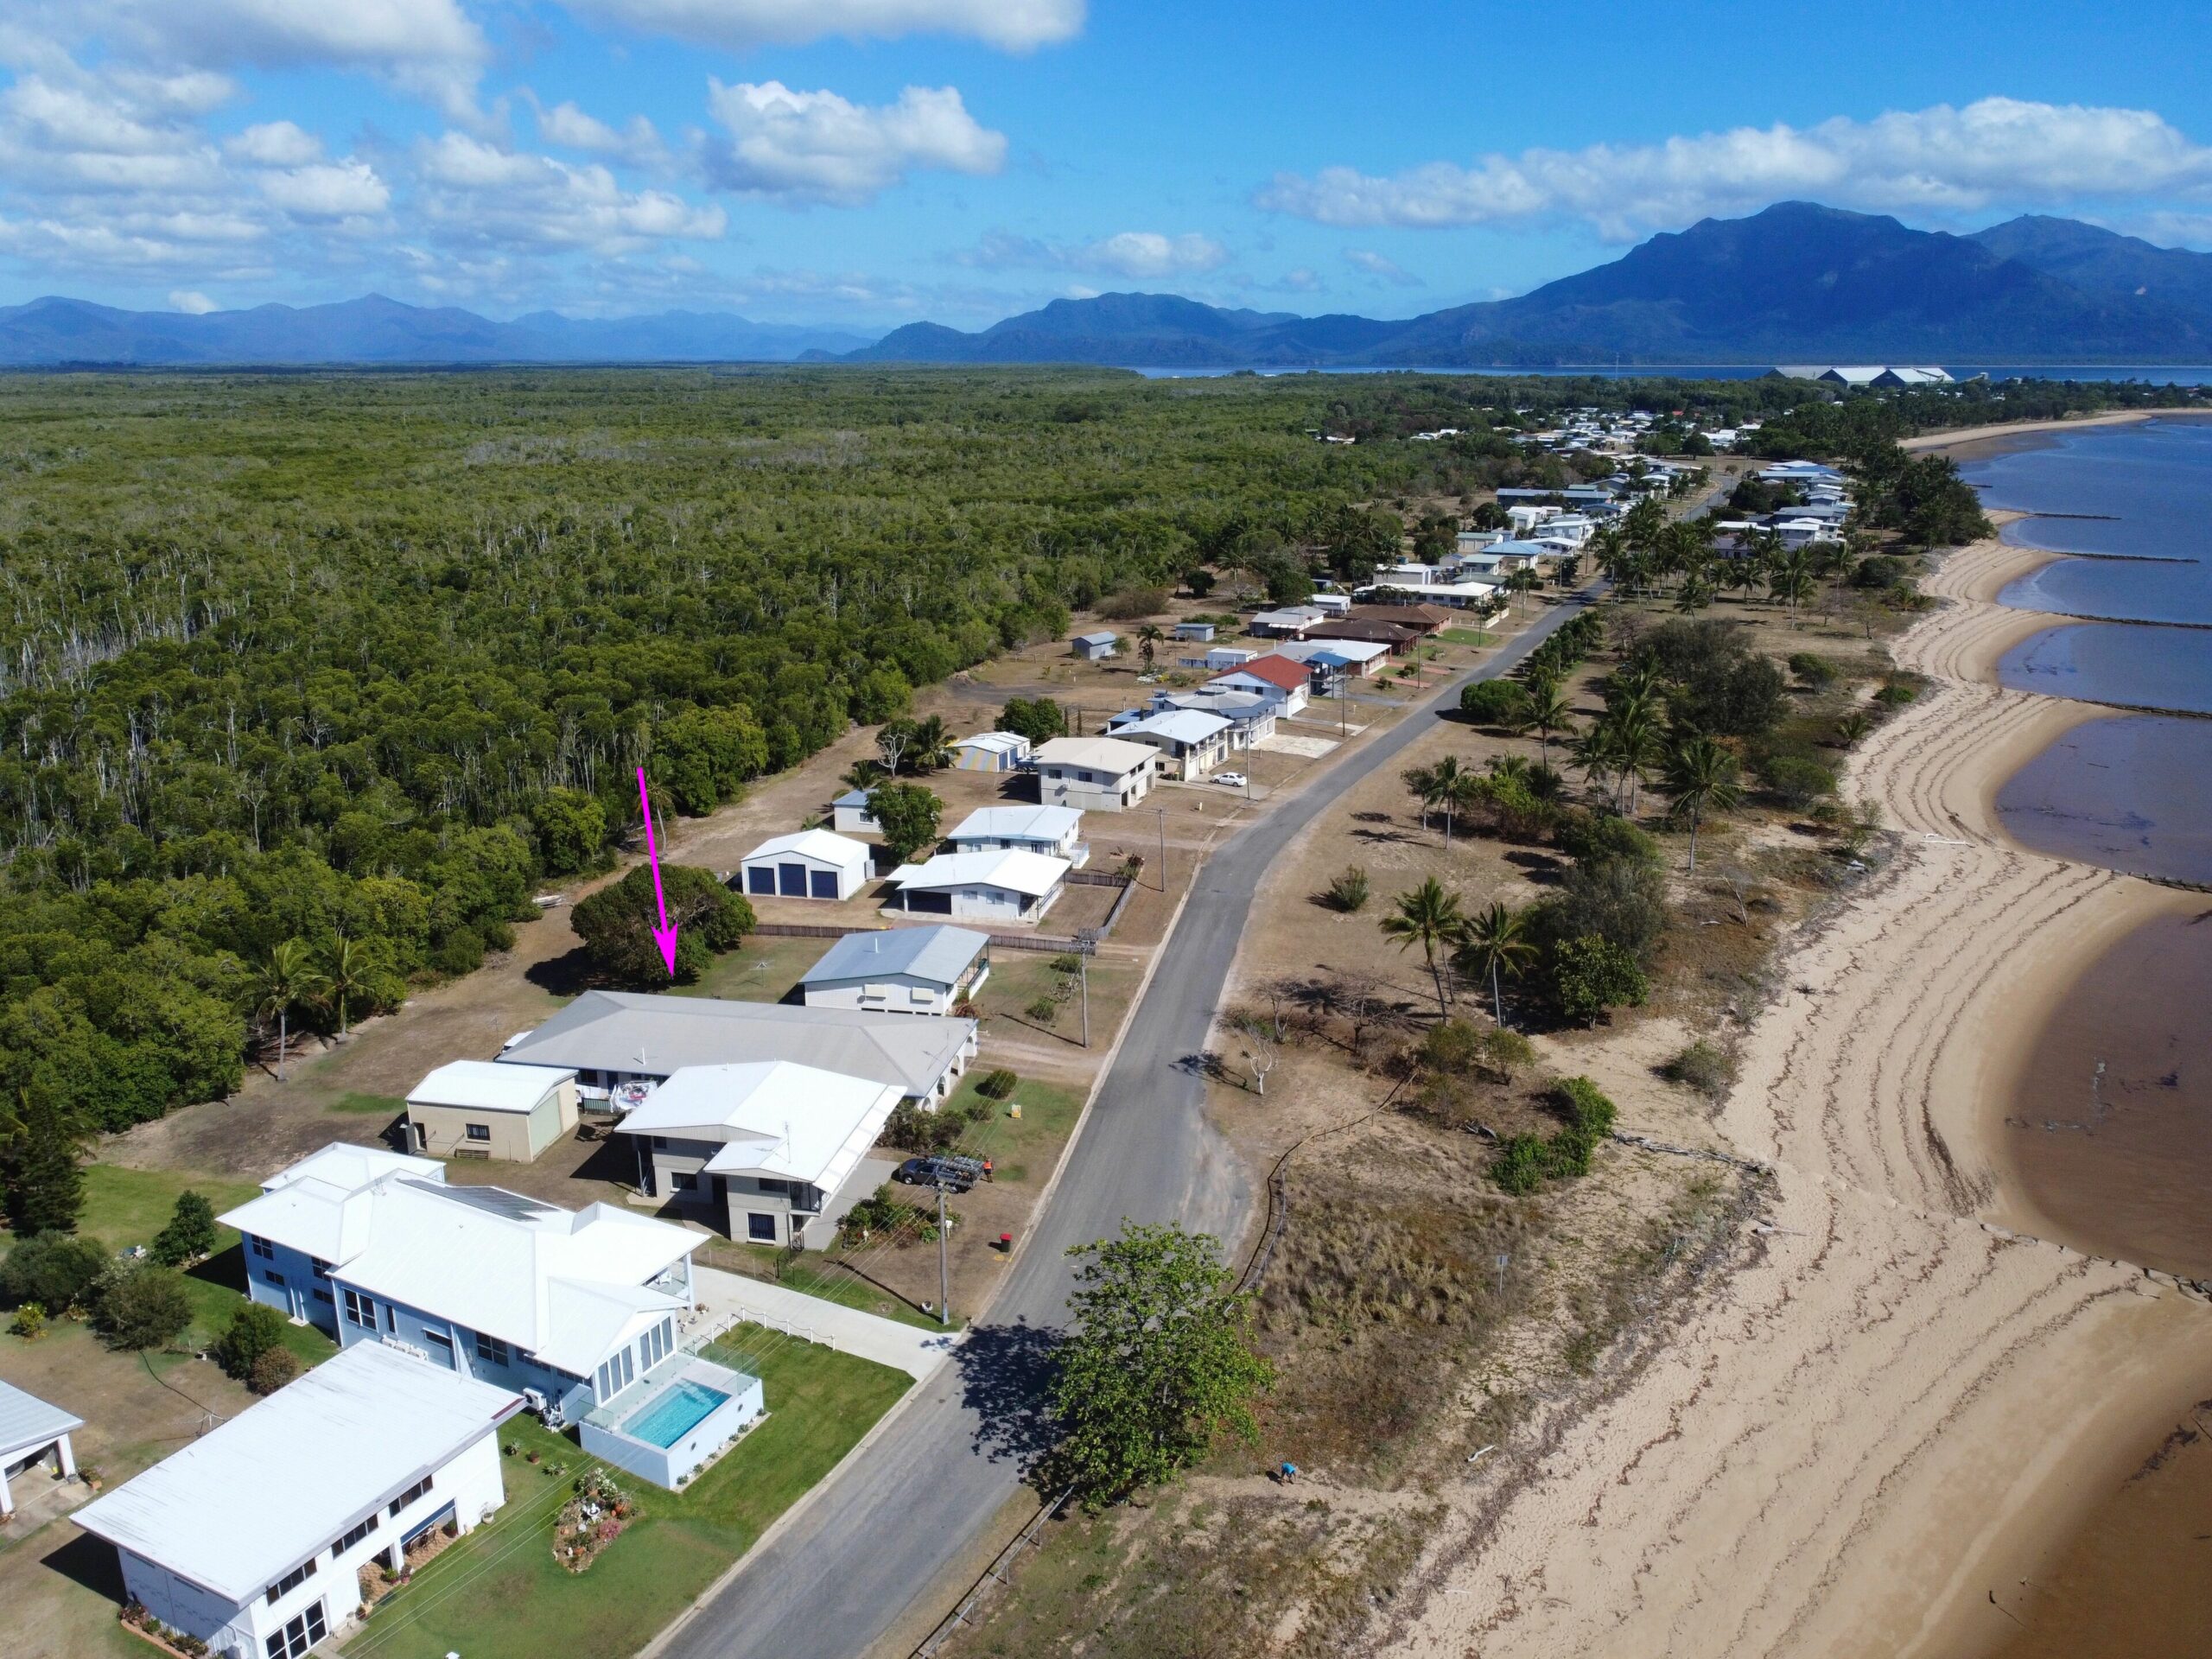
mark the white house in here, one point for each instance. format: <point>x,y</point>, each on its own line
<point>991,752</point>
<point>1051,830</point>
<point>999,886</point>
<point>557,1305</point>
<point>32,1434</point>
<point>1333,605</point>
<point>1094,647</point>
<point>848,814</point>
<point>1251,718</point>
<point>1288,622</point>
<point>812,864</point>
<point>251,1538</point>
<point>1097,774</point>
<point>1191,744</point>
<point>899,970</point>
<point>1278,680</point>
<point>1798,532</point>
<point>764,1151</point>
<point>1218,657</point>
<point>623,1042</point>
<point>476,1109</point>
<point>1328,659</point>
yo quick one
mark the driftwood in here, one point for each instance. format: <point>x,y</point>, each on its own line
<point>1648,1144</point>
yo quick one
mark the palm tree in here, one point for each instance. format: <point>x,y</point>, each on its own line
<point>862,775</point>
<point>1494,944</point>
<point>1148,638</point>
<point>1420,783</point>
<point>1638,748</point>
<point>1428,917</point>
<point>1463,793</point>
<point>1701,776</point>
<point>345,969</point>
<point>281,981</point>
<point>1791,580</point>
<point>1593,754</point>
<point>1549,711</point>
<point>1446,789</point>
<point>931,747</point>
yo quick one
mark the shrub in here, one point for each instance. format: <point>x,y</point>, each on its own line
<point>1522,1164</point>
<point>1586,1106</point>
<point>254,1331</point>
<point>1453,1048</point>
<point>272,1371</point>
<point>1597,836</point>
<point>1593,975</point>
<point>912,1129</point>
<point>1494,702</point>
<point>1815,671</point>
<point>1896,693</point>
<point>1620,900</point>
<point>1066,963</point>
<point>1132,604</point>
<point>1506,1052</point>
<point>1704,1067</point>
<point>56,1270</point>
<point>142,1306</point>
<point>1797,780</point>
<point>190,1233</point>
<point>996,1085</point>
<point>30,1322</point>
<point>1044,1010</point>
<point>1200,582</point>
<point>1348,889</point>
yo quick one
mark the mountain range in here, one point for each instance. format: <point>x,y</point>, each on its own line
<point>1796,283</point>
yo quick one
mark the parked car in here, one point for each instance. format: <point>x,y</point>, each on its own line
<point>935,1172</point>
<point>1233,780</point>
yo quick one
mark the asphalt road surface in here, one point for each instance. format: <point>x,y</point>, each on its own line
<point>890,1528</point>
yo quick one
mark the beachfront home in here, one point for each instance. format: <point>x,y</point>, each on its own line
<point>1191,744</point>
<point>33,1434</point>
<point>812,864</point>
<point>1276,679</point>
<point>1054,831</point>
<point>1002,885</point>
<point>252,1538</point>
<point>623,1042</point>
<point>848,814</point>
<point>766,1152</point>
<point>558,1305</point>
<point>476,1109</point>
<point>899,970</point>
<point>1094,647</point>
<point>991,752</point>
<point>1095,774</point>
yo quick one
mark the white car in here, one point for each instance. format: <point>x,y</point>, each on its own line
<point>1233,779</point>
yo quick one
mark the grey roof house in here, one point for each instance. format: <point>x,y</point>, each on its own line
<point>899,970</point>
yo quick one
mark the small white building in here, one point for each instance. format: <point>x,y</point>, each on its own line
<point>1191,744</point>
<point>252,1538</point>
<point>900,970</point>
<point>1201,631</point>
<point>33,1434</point>
<point>1051,830</point>
<point>990,751</point>
<point>812,864</point>
<point>848,814</point>
<point>1218,657</point>
<point>1278,680</point>
<point>1332,606</point>
<point>1251,718</point>
<point>997,886</point>
<point>1094,647</point>
<point>1093,774</point>
<point>1288,622</point>
<point>480,1108</point>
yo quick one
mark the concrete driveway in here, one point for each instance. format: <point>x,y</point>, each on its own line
<point>907,1348</point>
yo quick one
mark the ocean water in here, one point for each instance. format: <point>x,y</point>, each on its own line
<point>2128,664</point>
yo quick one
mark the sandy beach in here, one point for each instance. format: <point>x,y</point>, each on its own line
<point>1874,1430</point>
<point>1988,440</point>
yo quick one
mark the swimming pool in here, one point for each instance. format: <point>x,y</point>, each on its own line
<point>679,1410</point>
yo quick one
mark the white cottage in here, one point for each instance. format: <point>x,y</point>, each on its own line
<point>1051,830</point>
<point>900,970</point>
<point>33,1434</point>
<point>1000,886</point>
<point>812,864</point>
<point>1191,744</point>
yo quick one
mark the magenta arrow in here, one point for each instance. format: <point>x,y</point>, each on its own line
<point>665,935</point>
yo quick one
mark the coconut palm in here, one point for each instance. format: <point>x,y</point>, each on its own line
<point>862,774</point>
<point>1638,745</point>
<point>1701,776</point>
<point>281,981</point>
<point>1447,790</point>
<point>1494,944</point>
<point>1549,711</point>
<point>1791,580</point>
<point>1420,783</point>
<point>931,746</point>
<point>1428,917</point>
<point>345,969</point>
<point>1148,638</point>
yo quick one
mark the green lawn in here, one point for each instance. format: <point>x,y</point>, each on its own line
<point>124,1207</point>
<point>812,1274</point>
<point>367,1105</point>
<point>760,971</point>
<point>499,1595</point>
<point>1467,637</point>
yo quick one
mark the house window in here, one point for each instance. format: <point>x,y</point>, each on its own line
<point>492,1348</point>
<point>361,1310</point>
<point>420,1489</point>
<point>773,1184</point>
<point>276,1279</point>
<point>325,1296</point>
<point>291,1581</point>
<point>439,1340</point>
<point>262,1248</point>
<point>302,1633</point>
<point>353,1536</point>
<point>683,1180</point>
<point>322,1267</point>
<point>479,1131</point>
<point>759,1228</point>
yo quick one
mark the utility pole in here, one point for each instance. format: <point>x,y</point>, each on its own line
<point>1086,941</point>
<point>943,1264</point>
<point>1163,860</point>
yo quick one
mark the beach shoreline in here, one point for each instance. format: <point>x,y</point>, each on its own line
<point>1981,443</point>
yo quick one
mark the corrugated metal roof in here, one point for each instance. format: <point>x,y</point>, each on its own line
<point>792,1122</point>
<point>485,1085</point>
<point>246,1502</point>
<point>1047,823</point>
<point>827,845</point>
<point>1011,868</point>
<point>28,1421</point>
<point>1102,753</point>
<point>938,954</point>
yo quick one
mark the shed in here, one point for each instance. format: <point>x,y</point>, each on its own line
<point>33,1432</point>
<point>990,751</point>
<point>1094,647</point>
<point>480,1109</point>
<point>899,970</point>
<point>848,814</point>
<point>1202,631</point>
<point>812,864</point>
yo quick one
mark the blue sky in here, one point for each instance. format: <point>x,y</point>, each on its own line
<point>860,163</point>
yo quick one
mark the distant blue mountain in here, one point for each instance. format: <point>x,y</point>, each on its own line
<point>54,331</point>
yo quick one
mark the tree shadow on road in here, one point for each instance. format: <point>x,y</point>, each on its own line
<point>1006,1379</point>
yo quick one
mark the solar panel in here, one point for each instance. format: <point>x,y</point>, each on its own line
<point>493,1200</point>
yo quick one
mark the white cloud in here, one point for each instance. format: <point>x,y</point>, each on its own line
<point>1138,255</point>
<point>637,144</point>
<point>1376,264</point>
<point>343,189</point>
<point>192,303</point>
<point>738,25</point>
<point>475,192</point>
<point>1936,159</point>
<point>801,146</point>
<point>274,144</point>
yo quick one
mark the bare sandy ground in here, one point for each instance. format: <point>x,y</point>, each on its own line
<point>1870,1432</point>
<point>1950,443</point>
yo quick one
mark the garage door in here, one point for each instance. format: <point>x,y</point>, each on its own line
<point>931,904</point>
<point>760,878</point>
<point>823,884</point>
<point>791,880</point>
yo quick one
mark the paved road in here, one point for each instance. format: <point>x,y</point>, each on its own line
<point>892,1528</point>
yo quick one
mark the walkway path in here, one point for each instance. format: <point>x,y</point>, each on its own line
<point>907,1348</point>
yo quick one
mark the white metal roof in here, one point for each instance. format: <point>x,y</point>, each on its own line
<point>250,1500</point>
<point>939,954</point>
<point>829,847</point>
<point>1098,753</point>
<point>1180,726</point>
<point>1046,823</point>
<point>1011,868</point>
<point>790,1122</point>
<point>1002,742</point>
<point>26,1420</point>
<point>488,1086</point>
<point>353,1167</point>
